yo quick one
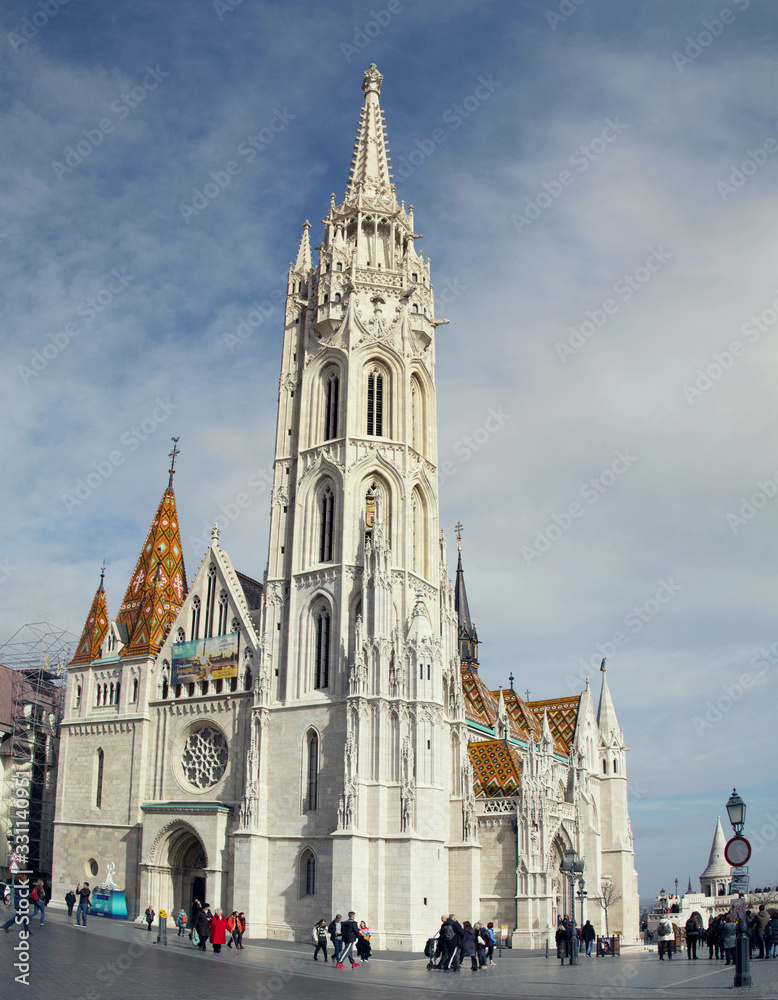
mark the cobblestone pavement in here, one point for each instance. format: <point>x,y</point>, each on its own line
<point>119,961</point>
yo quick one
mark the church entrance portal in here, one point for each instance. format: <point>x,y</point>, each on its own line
<point>186,858</point>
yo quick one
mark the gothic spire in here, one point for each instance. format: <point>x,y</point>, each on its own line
<point>158,585</point>
<point>303,262</point>
<point>95,627</point>
<point>370,176</point>
<point>606,713</point>
<point>468,637</point>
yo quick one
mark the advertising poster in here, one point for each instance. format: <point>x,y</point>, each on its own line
<point>203,659</point>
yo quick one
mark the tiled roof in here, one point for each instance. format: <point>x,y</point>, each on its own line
<point>562,717</point>
<point>95,630</point>
<point>496,769</point>
<point>480,703</point>
<point>158,585</point>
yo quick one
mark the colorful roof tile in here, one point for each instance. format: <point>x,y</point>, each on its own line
<point>95,629</point>
<point>496,769</point>
<point>480,703</point>
<point>562,718</point>
<point>158,585</point>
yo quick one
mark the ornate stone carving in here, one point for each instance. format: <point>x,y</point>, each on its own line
<point>205,757</point>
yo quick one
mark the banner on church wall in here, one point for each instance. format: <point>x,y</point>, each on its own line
<point>202,659</point>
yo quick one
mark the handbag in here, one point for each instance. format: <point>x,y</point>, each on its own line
<point>195,938</point>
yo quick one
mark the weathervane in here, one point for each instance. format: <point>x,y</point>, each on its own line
<point>172,456</point>
<point>510,678</point>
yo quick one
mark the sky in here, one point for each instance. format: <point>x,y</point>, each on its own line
<point>596,183</point>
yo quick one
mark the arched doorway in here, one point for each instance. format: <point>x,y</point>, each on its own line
<point>188,865</point>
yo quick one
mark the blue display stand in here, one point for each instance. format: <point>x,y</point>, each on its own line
<point>109,903</point>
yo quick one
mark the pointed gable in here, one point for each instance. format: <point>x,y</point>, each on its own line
<point>480,703</point>
<point>95,629</point>
<point>158,585</point>
<point>562,718</point>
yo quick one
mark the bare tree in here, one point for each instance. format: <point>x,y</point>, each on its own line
<point>610,896</point>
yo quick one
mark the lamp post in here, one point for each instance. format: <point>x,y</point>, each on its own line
<point>572,868</point>
<point>582,894</point>
<point>736,810</point>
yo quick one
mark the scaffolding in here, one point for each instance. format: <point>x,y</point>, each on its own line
<point>33,676</point>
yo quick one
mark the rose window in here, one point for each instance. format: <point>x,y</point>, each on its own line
<point>205,757</point>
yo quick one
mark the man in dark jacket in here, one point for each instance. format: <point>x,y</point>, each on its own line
<point>349,930</point>
<point>454,944</point>
<point>83,892</point>
<point>334,931</point>
<point>692,934</point>
<point>762,920</point>
<point>70,899</point>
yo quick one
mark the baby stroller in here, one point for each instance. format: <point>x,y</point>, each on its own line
<point>429,951</point>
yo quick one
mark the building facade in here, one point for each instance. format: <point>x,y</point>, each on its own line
<point>351,757</point>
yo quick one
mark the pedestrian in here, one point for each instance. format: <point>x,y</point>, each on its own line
<point>492,943</point>
<point>232,930</point>
<point>762,920</point>
<point>201,924</point>
<point>771,934</point>
<point>693,928</point>
<point>181,922</point>
<point>364,949</point>
<point>38,898</point>
<point>729,938</point>
<point>21,900</point>
<point>350,934</point>
<point>150,914</point>
<point>70,900</point>
<point>468,945</point>
<point>241,930</point>
<point>319,935</point>
<point>666,937</point>
<point>560,939</point>
<point>218,935</point>
<point>588,935</point>
<point>84,893</point>
<point>480,943</point>
<point>334,931</point>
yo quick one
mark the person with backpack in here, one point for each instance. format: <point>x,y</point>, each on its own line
<point>693,928</point>
<point>319,935</point>
<point>666,938</point>
<point>38,898</point>
<point>449,943</point>
<point>181,922</point>
<point>492,943</point>
<point>232,930</point>
<point>150,914</point>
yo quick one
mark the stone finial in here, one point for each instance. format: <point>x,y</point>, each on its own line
<point>372,80</point>
<point>215,533</point>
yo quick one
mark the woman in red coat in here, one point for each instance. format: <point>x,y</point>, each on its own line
<point>218,931</point>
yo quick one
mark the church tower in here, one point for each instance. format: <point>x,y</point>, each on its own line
<point>359,619</point>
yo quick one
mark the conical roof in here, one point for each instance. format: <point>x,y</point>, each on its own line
<point>303,262</point>
<point>158,585</point>
<point>95,628</point>
<point>606,713</point>
<point>370,176</point>
<point>467,635</point>
<point>717,863</point>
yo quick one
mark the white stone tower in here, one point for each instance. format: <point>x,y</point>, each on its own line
<point>359,623</point>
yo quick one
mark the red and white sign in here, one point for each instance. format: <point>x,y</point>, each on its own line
<point>737,852</point>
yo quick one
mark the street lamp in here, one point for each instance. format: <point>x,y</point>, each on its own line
<point>582,894</point>
<point>736,810</point>
<point>572,868</point>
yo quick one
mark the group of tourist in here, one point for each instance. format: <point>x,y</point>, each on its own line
<point>214,927</point>
<point>348,938</point>
<point>721,935</point>
<point>456,941</point>
<point>564,937</point>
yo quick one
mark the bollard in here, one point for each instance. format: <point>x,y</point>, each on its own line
<point>162,928</point>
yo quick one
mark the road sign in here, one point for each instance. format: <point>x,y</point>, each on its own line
<point>13,867</point>
<point>737,852</point>
<point>739,879</point>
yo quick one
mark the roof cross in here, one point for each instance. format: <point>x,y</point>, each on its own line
<point>458,528</point>
<point>510,678</point>
<point>172,456</point>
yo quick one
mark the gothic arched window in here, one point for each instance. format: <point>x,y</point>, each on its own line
<point>99,691</point>
<point>180,635</point>
<point>331,402</point>
<point>312,771</point>
<point>308,873</point>
<point>99,780</point>
<point>419,537</point>
<point>224,610</point>
<point>194,631</point>
<point>375,402</point>
<point>210,601</point>
<point>326,509</point>
<point>322,660</point>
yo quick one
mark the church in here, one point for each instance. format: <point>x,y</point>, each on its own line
<point>322,741</point>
